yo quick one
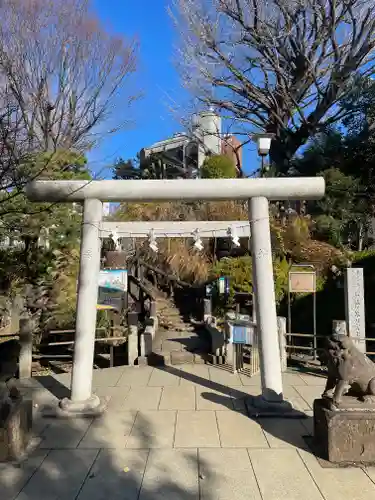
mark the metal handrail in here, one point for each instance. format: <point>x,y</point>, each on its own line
<point>313,348</point>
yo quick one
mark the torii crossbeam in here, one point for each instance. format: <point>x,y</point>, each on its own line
<point>93,193</point>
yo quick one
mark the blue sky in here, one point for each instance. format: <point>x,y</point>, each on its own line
<point>157,78</point>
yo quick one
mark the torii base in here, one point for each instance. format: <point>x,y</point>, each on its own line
<point>90,408</point>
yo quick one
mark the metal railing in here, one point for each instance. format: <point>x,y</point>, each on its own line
<point>290,346</point>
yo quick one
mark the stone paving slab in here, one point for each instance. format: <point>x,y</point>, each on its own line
<point>13,479</point>
<point>226,475</point>
<point>142,398</point>
<point>64,433</point>
<point>199,371</point>
<point>340,483</point>
<point>370,471</point>
<point>171,475</point>
<point>135,376</point>
<point>161,378</point>
<point>39,424</point>
<point>153,429</point>
<point>178,398</point>
<point>208,399</point>
<point>252,381</point>
<point>245,391</point>
<point>293,379</point>
<point>113,396</point>
<point>284,433</point>
<point>196,429</point>
<point>110,431</point>
<point>45,396</point>
<point>238,430</point>
<point>292,395</point>
<point>282,475</point>
<point>107,378</point>
<point>62,378</point>
<point>61,475</point>
<point>178,413</point>
<point>308,422</point>
<point>112,392</point>
<point>115,475</point>
<point>313,380</point>
<point>309,393</point>
<point>225,377</point>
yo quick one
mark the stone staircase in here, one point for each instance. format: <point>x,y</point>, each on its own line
<point>177,341</point>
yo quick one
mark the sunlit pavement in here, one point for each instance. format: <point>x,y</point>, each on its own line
<point>178,433</point>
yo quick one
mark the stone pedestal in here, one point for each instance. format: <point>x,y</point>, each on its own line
<point>92,407</point>
<point>345,435</point>
<point>259,407</point>
<point>15,428</point>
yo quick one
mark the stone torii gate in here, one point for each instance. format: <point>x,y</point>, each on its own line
<point>92,193</point>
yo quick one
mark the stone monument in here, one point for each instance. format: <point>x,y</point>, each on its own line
<point>355,306</point>
<point>344,418</point>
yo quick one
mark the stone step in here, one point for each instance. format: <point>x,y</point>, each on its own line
<point>168,310</point>
<point>159,358</point>
<point>177,328</point>
<point>186,327</point>
<point>174,319</point>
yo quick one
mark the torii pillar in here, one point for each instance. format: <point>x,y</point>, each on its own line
<point>258,191</point>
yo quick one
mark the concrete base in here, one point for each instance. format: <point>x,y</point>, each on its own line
<point>91,408</point>
<point>15,429</point>
<point>345,435</point>
<point>257,406</point>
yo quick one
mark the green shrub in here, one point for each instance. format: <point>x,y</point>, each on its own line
<point>218,167</point>
<point>357,257</point>
<point>239,272</point>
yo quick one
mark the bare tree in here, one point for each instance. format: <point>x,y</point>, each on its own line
<point>279,66</point>
<point>65,81</point>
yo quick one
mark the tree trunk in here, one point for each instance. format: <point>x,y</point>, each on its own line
<point>360,236</point>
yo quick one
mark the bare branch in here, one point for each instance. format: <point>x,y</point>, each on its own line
<point>280,65</point>
<point>63,78</point>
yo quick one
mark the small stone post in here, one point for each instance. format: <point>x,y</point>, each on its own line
<point>207,309</point>
<point>281,325</point>
<point>153,311</point>
<point>26,347</point>
<point>133,338</point>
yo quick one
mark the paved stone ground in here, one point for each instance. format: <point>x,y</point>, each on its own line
<point>177,434</point>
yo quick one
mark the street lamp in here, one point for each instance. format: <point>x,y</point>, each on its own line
<point>264,146</point>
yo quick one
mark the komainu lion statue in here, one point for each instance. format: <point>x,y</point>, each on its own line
<point>348,370</point>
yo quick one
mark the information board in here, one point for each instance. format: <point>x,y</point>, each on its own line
<point>302,282</point>
<point>241,333</point>
<point>113,285</point>
<point>111,298</point>
<point>115,279</point>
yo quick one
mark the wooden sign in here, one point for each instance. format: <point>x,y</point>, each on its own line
<point>302,282</point>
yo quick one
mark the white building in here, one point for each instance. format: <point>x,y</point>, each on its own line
<point>183,154</point>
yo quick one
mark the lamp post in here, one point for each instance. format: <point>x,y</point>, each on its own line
<point>264,146</point>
